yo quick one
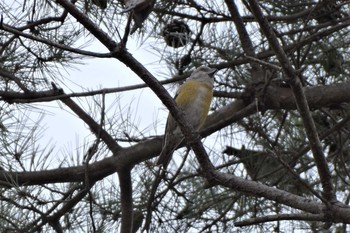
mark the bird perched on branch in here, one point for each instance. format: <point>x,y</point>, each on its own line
<point>193,98</point>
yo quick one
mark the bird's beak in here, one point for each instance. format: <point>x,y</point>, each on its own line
<point>212,72</point>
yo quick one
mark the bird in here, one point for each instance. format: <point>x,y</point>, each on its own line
<point>193,98</point>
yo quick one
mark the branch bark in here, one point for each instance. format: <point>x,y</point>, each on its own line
<point>126,200</point>
<point>279,217</point>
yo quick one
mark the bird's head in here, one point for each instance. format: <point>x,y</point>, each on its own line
<point>203,74</point>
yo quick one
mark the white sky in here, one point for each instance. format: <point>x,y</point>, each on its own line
<point>64,129</point>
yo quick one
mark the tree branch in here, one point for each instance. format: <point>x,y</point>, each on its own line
<point>51,95</point>
<point>247,45</point>
<point>16,32</point>
<point>280,217</point>
<point>82,18</point>
<point>126,200</point>
<point>337,211</point>
<point>301,102</point>
<point>93,125</point>
<point>291,47</point>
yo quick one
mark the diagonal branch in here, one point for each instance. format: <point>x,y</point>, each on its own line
<point>93,125</point>
<point>82,18</point>
<point>16,32</point>
<point>12,77</point>
<point>246,42</point>
<point>69,204</point>
<point>301,102</point>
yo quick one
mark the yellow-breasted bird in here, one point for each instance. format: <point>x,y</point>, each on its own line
<point>193,98</point>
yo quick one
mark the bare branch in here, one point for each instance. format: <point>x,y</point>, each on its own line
<point>93,125</point>
<point>54,44</point>
<point>126,200</point>
<point>246,42</point>
<point>280,217</point>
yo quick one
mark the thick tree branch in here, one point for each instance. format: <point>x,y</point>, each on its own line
<point>247,44</point>
<point>126,200</point>
<point>82,18</point>
<point>338,211</point>
<point>280,217</point>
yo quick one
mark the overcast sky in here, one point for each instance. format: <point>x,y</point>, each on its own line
<point>64,129</point>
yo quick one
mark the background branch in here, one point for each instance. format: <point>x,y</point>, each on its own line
<point>301,101</point>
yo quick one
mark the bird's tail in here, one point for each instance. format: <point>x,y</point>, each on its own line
<point>164,157</point>
<point>167,153</point>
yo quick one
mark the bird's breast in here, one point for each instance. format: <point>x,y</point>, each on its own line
<point>194,99</point>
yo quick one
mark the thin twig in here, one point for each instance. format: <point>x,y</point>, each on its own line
<point>54,44</point>
<point>264,63</point>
